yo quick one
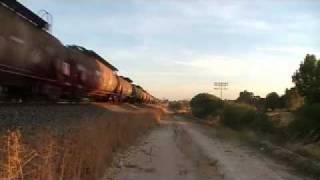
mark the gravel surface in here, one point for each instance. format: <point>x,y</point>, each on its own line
<point>22,115</point>
<point>238,162</point>
<point>164,154</point>
<point>180,150</point>
<point>55,116</point>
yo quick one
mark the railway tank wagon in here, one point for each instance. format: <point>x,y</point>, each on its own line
<point>144,96</point>
<point>92,75</point>
<point>30,57</point>
<point>148,98</point>
<point>124,89</point>
<point>33,63</point>
<point>137,94</point>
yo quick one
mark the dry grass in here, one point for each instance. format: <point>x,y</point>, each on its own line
<point>303,158</point>
<point>310,150</point>
<point>74,150</point>
<point>281,118</point>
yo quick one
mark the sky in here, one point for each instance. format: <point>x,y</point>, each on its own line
<point>176,49</point>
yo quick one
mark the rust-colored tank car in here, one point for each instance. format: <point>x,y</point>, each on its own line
<point>138,94</point>
<point>125,88</point>
<point>91,74</point>
<point>145,96</point>
<point>142,96</point>
<point>28,54</point>
<point>148,99</point>
<point>33,62</point>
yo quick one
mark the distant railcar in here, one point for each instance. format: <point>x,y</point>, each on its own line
<point>91,75</point>
<point>138,94</point>
<point>124,89</point>
<point>145,96</point>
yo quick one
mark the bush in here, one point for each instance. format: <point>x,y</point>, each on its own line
<point>237,116</point>
<point>203,105</point>
<point>241,116</point>
<point>179,105</point>
<point>262,123</point>
<point>308,120</point>
<point>175,105</point>
<point>273,101</point>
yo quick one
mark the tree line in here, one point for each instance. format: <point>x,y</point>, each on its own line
<point>290,101</point>
<point>306,90</point>
<point>249,110</point>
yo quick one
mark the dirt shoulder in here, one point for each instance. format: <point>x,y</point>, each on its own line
<point>181,150</point>
<point>163,154</point>
<point>237,160</point>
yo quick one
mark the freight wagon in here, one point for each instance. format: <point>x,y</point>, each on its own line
<point>33,63</point>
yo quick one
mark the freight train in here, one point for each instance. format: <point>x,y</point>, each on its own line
<point>34,63</point>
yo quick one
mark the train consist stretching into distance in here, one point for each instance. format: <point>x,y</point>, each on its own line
<point>33,63</point>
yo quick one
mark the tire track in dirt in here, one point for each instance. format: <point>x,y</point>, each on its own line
<point>165,154</point>
<point>178,150</point>
<point>238,162</point>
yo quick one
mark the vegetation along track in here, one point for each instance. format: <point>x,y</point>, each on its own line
<point>67,141</point>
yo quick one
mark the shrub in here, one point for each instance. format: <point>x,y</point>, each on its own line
<point>273,101</point>
<point>179,105</point>
<point>203,105</point>
<point>307,121</point>
<point>262,123</point>
<point>237,116</point>
<point>241,116</point>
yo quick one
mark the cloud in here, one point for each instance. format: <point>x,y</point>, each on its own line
<point>258,73</point>
<point>299,50</point>
<point>222,66</point>
<point>177,48</point>
<point>255,25</point>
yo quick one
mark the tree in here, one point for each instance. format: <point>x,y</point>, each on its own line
<point>175,105</point>
<point>259,103</point>
<point>182,105</point>
<point>292,99</point>
<point>204,104</point>
<point>237,116</point>
<point>307,79</point>
<point>246,97</point>
<point>273,101</point>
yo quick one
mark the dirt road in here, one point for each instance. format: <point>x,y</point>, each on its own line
<point>179,150</point>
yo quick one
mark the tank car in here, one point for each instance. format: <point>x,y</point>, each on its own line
<point>124,89</point>
<point>145,96</point>
<point>92,76</point>
<point>137,94</point>
<point>31,59</point>
<point>33,62</point>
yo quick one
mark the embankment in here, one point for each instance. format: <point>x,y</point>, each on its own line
<point>57,142</point>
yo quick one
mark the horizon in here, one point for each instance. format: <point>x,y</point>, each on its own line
<point>177,49</point>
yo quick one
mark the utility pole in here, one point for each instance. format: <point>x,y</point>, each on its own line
<point>221,86</point>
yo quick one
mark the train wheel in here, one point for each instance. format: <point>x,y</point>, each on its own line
<point>115,99</point>
<point>112,99</point>
<point>109,98</point>
<point>52,93</point>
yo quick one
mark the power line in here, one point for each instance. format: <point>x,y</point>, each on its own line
<point>221,86</point>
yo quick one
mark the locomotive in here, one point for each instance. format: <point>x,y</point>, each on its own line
<point>34,63</point>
